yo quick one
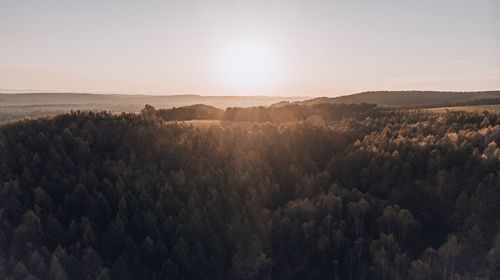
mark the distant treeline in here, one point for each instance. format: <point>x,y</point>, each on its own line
<point>194,112</point>
<point>414,98</point>
<point>284,113</point>
<point>295,112</point>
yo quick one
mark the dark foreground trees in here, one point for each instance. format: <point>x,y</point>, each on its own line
<point>387,195</point>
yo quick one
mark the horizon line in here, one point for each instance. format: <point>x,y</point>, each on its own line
<point>161,94</point>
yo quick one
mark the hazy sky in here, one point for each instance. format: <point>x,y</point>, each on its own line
<point>309,47</point>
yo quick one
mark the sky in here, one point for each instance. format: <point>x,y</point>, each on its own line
<point>258,47</point>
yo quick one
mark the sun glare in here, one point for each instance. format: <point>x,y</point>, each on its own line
<point>247,65</point>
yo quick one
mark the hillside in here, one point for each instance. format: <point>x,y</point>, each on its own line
<point>415,98</point>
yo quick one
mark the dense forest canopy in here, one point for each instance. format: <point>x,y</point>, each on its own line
<point>364,194</point>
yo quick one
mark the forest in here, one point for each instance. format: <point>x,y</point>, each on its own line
<point>363,193</point>
<point>420,99</point>
<point>276,113</point>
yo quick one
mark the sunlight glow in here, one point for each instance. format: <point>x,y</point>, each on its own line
<point>247,65</point>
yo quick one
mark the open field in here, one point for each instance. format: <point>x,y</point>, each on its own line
<point>219,123</point>
<point>199,123</point>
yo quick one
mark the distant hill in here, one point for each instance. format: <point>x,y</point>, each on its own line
<point>414,98</point>
<point>17,106</point>
<point>136,102</point>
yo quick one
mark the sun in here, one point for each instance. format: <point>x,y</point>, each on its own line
<point>247,65</point>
